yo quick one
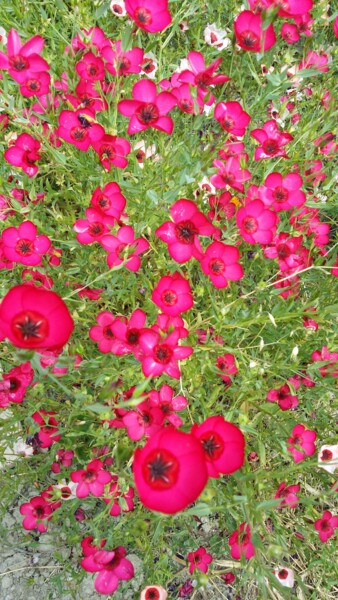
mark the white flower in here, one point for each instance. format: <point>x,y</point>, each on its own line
<point>207,109</point>
<point>143,152</point>
<point>68,490</point>
<point>149,65</point>
<point>3,36</point>
<point>285,576</point>
<point>206,186</point>
<point>184,65</point>
<point>161,593</point>
<point>118,8</point>
<point>19,448</point>
<point>216,37</point>
<point>328,458</point>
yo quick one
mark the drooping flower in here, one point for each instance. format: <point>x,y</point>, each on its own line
<point>161,354</point>
<point>22,245</point>
<point>257,223</point>
<point>91,480</point>
<point>111,566</point>
<point>199,559</point>
<point>151,15</point>
<point>48,432</point>
<point>228,578</point>
<point>154,592</point>
<point>285,576</point>
<point>35,277</point>
<point>173,295</point>
<point>220,263</point>
<point>288,495</point>
<point>14,384</point>
<point>330,357</point>
<point>124,246</point>
<point>301,438</point>
<point>272,141</point>
<point>326,526</point>
<point>170,471</point>
<point>223,445</point>
<point>232,118</point>
<point>147,108</point>
<point>282,193</point>
<point>34,318</point>
<point>240,543</point>
<point>23,61</point>
<point>24,153</point>
<point>79,128</point>
<point>250,34</point>
<point>181,235</point>
<point>114,494</point>
<point>37,514</point>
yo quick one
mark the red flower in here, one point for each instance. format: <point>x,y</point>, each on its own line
<point>166,401</point>
<point>34,318</point>
<point>240,543</point>
<point>200,75</point>
<point>94,227</point>
<point>92,479</point>
<point>146,420</point>
<point>282,193</point>
<point>284,398</point>
<point>124,246</point>
<point>148,109</point>
<point>272,141</point>
<point>151,15</point>
<point>303,438</point>
<point>326,526</point>
<point>91,67</point>
<point>324,355</point>
<point>220,263</point>
<point>112,151</point>
<point>223,445</point>
<point>120,62</point>
<point>109,200</point>
<point>104,335</point>
<point>114,495</point>
<point>199,559</point>
<point>15,383</point>
<point>161,355</point>
<point>38,512</point>
<point>23,246</point>
<point>128,333</point>
<point>111,565</point>
<point>288,495</point>
<point>24,153</point>
<point>173,295</point>
<point>23,61</point>
<point>230,173</point>
<point>257,224</point>
<point>170,471</point>
<point>232,117</point>
<point>79,128</point>
<point>250,34</point>
<point>48,432</point>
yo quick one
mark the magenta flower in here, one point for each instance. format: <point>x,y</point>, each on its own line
<point>250,34</point>
<point>38,512</point>
<point>220,263</point>
<point>91,67</point>
<point>35,277</point>
<point>89,95</point>
<point>109,200</point>
<point>145,420</point>
<point>48,432</point>
<point>24,153</point>
<point>15,383</point>
<point>112,151</point>
<point>293,8</point>
<point>223,445</point>
<point>114,495</point>
<point>104,335</point>
<point>227,365</point>
<point>335,27</point>
<point>284,397</point>
<point>181,235</point>
<point>170,471</point>
<point>240,543</point>
<point>161,355</point>
<point>94,227</point>
<point>288,495</point>
<point>199,559</point>
<point>315,61</point>
<point>326,526</point>
<point>22,245</point>
<point>185,100</point>
<point>324,355</point>
<point>151,15</point>
<point>148,109</point>
<point>290,33</point>
<point>92,479</point>
<point>200,75</point>
<point>23,61</point>
<point>36,85</point>
<point>79,128</point>
<point>230,173</point>
<point>124,246</point>
<point>112,567</point>
<point>287,251</point>
<point>257,224</point>
<point>272,141</point>
<point>301,438</point>
<point>173,295</point>
<point>282,193</point>
<point>128,333</point>
<point>168,404</point>
<point>232,117</point>
<point>119,62</point>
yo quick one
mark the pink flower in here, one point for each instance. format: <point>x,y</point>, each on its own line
<point>170,471</point>
<point>324,355</point>
<point>185,100</point>
<point>94,227</point>
<point>335,27</point>
<point>94,36</point>
<point>200,75</point>
<point>168,404</point>
<point>287,250</point>
<point>284,398</point>
<point>288,495</point>
<point>15,383</point>
<point>151,15</point>
<point>257,224</point>
<point>303,438</point>
<point>114,495</point>
<point>88,95</point>
<point>315,61</point>
<point>161,355</point>
<point>250,34</point>
<point>112,151</point>
<point>22,245</point>
<point>293,8</point>
<point>326,526</point>
<point>24,153</point>
<point>128,333</point>
<point>79,128</point>
<point>240,543</point>
<point>148,109</point>
<point>35,277</point>
<point>272,141</point>
<point>146,420</point>
<point>199,559</point>
<point>181,235</point>
<point>112,567</point>
<point>124,246</point>
<point>119,62</point>
<point>64,458</point>
<point>109,200</point>
<point>290,33</point>
<point>223,445</point>
<point>104,335</point>
<point>232,117</point>
<point>38,512</point>
<point>91,67</point>
<point>230,173</point>
<point>228,578</point>
<point>282,193</point>
<point>220,263</point>
<point>92,479</point>
<point>23,61</point>
<point>173,295</point>
<point>34,318</point>
<point>36,85</point>
<point>48,432</point>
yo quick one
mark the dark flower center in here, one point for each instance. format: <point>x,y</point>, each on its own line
<point>96,229</point>
<point>280,194</point>
<point>123,64</point>
<point>250,224</point>
<point>92,70</point>
<point>142,16</point>
<point>30,326</point>
<point>24,247</point>
<point>283,574</point>
<point>203,79</point>
<point>325,525</point>
<point>270,147</point>
<point>297,440</point>
<point>18,62</point>
<point>148,65</point>
<point>152,594</point>
<point>212,444</point>
<point>133,336</point>
<point>162,354</point>
<point>186,105</point>
<point>116,9</point>
<point>39,512</point>
<point>228,123</point>
<point>33,84</point>
<point>283,251</point>
<point>146,418</point>
<point>86,100</point>
<point>107,332</point>
<point>14,384</point>
<point>147,113</point>
<point>185,232</point>
<point>89,475</point>
<point>103,202</point>
<point>326,455</point>
<point>107,152</point>
<point>161,469</point>
<point>169,298</point>
<point>249,40</point>
<point>78,134</point>
<point>216,266</point>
